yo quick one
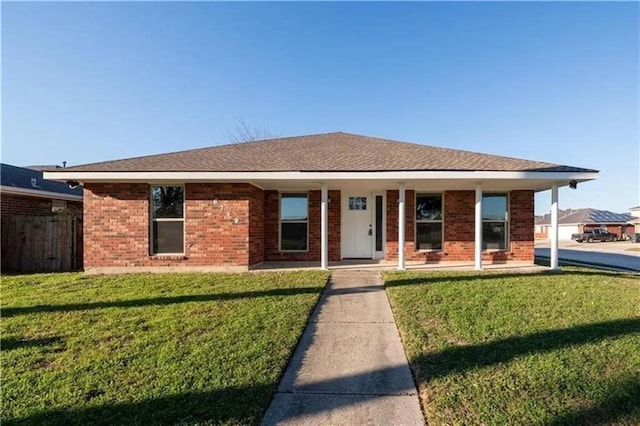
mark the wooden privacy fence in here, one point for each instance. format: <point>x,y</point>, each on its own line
<point>41,243</point>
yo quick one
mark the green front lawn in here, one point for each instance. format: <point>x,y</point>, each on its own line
<point>149,349</point>
<point>515,349</point>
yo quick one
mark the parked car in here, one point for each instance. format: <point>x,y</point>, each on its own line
<point>594,235</point>
<point>635,238</point>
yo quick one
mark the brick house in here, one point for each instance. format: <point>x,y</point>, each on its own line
<point>319,198</point>
<point>573,221</point>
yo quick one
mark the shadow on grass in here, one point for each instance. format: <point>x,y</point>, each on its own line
<point>464,358</point>
<point>246,405</point>
<point>8,344</point>
<point>622,406</point>
<point>133,303</point>
<point>427,278</point>
<point>243,405</point>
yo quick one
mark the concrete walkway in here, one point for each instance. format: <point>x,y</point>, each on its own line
<point>349,367</point>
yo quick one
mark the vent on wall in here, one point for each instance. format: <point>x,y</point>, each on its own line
<point>58,205</point>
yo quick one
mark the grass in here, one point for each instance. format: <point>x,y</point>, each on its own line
<point>539,349</point>
<point>149,349</point>
<point>633,249</point>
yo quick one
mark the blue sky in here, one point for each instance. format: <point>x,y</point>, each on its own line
<point>556,82</point>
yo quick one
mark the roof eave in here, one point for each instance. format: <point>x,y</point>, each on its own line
<point>83,176</point>
<point>39,193</point>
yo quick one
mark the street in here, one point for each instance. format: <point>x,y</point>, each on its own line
<point>615,254</point>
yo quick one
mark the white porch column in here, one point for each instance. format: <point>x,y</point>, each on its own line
<point>401,226</point>
<point>478,229</point>
<point>324,228</point>
<point>554,228</point>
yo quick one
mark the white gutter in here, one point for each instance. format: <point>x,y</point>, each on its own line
<point>321,176</point>
<point>37,193</point>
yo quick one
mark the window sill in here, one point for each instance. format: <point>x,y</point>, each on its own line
<point>168,257</point>
<point>429,251</point>
<point>496,250</point>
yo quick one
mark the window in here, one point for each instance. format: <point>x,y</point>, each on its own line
<point>379,227</point>
<point>167,219</point>
<point>428,222</point>
<point>494,221</point>
<point>357,203</point>
<point>293,222</point>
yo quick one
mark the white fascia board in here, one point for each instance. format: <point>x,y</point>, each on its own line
<point>37,193</point>
<point>314,176</point>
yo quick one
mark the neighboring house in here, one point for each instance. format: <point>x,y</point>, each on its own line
<point>316,198</point>
<point>635,220</point>
<point>26,200</point>
<point>579,220</point>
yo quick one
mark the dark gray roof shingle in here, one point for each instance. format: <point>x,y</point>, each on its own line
<point>337,152</point>
<point>20,177</point>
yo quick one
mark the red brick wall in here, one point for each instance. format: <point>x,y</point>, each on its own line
<point>271,231</point>
<point>459,225</point>
<point>117,225</point>
<point>11,205</point>
<point>521,227</point>
<point>256,226</point>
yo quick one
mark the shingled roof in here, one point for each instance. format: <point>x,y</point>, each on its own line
<point>583,216</point>
<point>335,152</point>
<point>27,178</point>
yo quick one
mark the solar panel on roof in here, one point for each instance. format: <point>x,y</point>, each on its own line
<point>605,216</point>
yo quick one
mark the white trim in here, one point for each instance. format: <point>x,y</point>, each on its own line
<point>321,176</point>
<point>37,193</point>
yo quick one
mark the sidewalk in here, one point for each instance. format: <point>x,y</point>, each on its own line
<point>349,367</point>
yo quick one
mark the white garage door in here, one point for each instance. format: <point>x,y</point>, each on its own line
<point>564,232</point>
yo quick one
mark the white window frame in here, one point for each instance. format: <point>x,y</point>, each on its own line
<point>416,221</point>
<point>280,221</point>
<point>182,219</point>
<point>506,221</point>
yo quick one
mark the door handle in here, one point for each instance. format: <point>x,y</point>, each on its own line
<point>370,231</point>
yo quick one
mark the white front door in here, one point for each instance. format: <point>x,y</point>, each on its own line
<point>357,225</point>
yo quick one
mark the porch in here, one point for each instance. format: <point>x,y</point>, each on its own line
<point>386,265</point>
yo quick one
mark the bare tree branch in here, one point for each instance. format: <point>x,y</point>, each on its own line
<point>245,132</point>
